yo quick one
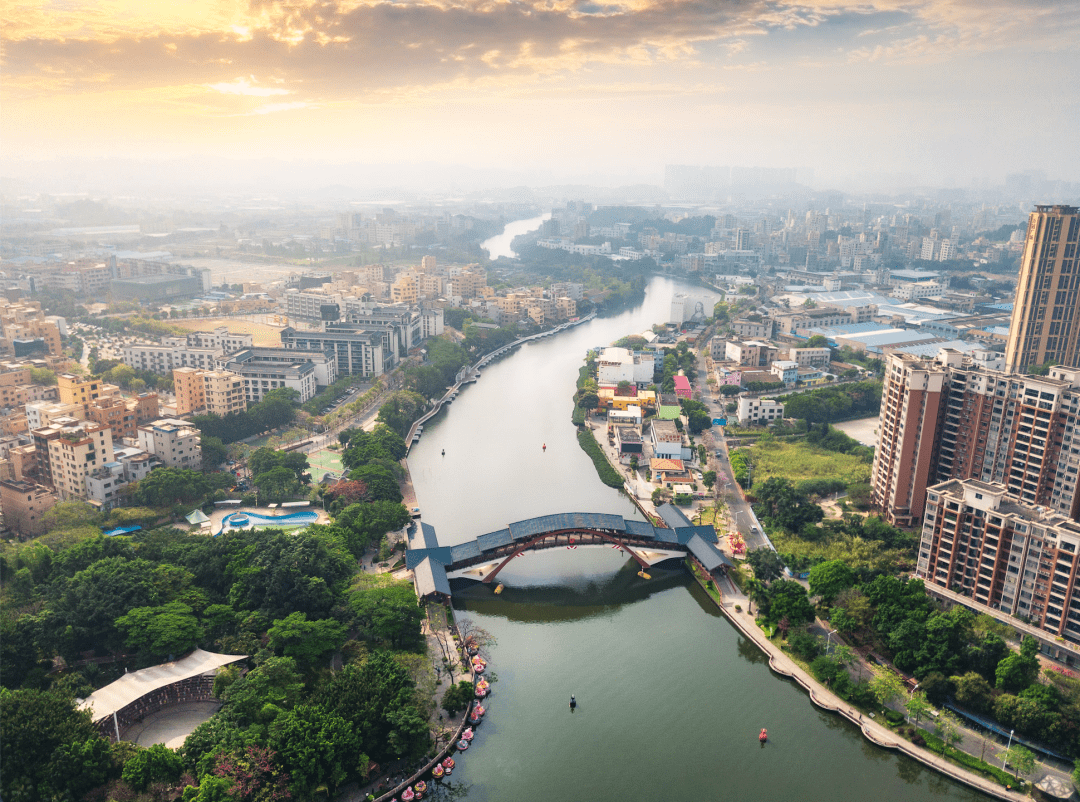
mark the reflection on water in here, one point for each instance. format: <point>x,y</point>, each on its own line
<point>671,696</point>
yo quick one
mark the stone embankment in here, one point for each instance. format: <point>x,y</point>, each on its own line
<point>876,733</point>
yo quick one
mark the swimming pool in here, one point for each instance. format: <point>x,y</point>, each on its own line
<point>249,520</point>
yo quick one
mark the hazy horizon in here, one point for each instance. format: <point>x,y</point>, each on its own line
<point>866,94</point>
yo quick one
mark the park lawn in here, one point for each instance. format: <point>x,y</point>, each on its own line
<point>799,461</point>
<point>261,333</point>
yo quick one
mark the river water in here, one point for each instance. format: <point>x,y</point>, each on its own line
<point>671,696</point>
<point>499,245</point>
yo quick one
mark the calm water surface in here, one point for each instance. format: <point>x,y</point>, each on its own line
<point>671,696</point>
<point>499,245</point>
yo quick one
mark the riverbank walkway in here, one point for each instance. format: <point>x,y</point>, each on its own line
<point>874,732</point>
<point>481,559</point>
<point>472,373</point>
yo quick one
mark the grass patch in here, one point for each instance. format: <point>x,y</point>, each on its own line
<point>799,461</point>
<point>608,474</point>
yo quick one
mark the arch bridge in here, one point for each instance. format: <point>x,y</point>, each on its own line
<point>482,558</point>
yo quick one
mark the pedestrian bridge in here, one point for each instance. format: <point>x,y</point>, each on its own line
<point>481,559</point>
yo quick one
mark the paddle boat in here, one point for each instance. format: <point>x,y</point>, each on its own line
<point>467,735</point>
<point>448,764</point>
<point>438,771</point>
<point>420,787</point>
<point>763,736</point>
<point>462,745</point>
<point>408,795</point>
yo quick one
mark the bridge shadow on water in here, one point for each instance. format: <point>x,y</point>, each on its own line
<point>574,599</point>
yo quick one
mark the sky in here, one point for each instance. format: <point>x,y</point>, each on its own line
<point>942,92</point>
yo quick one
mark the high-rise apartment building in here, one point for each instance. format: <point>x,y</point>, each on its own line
<point>961,417</point>
<point>1045,325</point>
<point>981,541</point>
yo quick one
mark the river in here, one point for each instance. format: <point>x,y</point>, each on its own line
<point>499,245</point>
<point>671,695</point>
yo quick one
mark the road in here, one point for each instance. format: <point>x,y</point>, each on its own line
<point>726,486</point>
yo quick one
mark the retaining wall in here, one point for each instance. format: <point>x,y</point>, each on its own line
<point>871,730</point>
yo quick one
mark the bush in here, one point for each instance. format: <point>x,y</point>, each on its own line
<point>805,645</point>
<point>457,697</point>
<point>894,717</point>
<point>608,475</point>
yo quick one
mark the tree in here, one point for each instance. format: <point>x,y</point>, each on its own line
<point>458,697</point>
<point>1017,671</point>
<point>167,486</point>
<point>389,613</point>
<point>171,629</point>
<point>258,697</point>
<point>155,764</point>
<point>277,483</point>
<point>254,773</point>
<point>378,698</point>
<point>830,578</point>
<point>50,749</point>
<point>817,341</point>
<point>305,640</point>
<point>947,728</point>
<point>316,746</point>
<point>788,599</point>
<point>1021,758</point>
<point>766,563</point>
<point>708,478</point>
<point>917,706</point>
<point>886,687</point>
<point>381,483</point>
<point>214,452</point>
<point>285,573</point>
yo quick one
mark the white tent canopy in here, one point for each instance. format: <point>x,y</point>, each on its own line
<point>129,688</point>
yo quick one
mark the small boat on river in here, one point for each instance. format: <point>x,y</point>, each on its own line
<point>763,736</point>
<point>462,745</point>
<point>438,771</point>
<point>573,702</point>
<point>467,735</point>
<point>448,764</point>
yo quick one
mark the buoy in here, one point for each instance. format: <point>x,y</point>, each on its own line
<point>499,589</point>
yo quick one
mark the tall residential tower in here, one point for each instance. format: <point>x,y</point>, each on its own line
<point>1045,324</point>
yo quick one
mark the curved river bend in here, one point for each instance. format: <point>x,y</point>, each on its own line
<point>671,697</point>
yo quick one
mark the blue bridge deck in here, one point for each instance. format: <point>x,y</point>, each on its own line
<point>431,562</point>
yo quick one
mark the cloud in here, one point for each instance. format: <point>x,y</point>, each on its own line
<point>242,86</point>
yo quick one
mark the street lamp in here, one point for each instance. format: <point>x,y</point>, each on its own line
<point>1005,756</point>
<point>828,640</point>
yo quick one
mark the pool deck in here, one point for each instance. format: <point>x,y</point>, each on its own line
<point>219,515</point>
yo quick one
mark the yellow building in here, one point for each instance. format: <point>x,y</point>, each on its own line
<point>646,399</point>
<point>77,390</point>
<point>190,390</point>
<point>223,392</point>
<point>24,320</point>
<point>23,504</point>
<point>405,290</point>
<point>80,449</point>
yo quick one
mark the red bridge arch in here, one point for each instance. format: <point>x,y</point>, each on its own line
<point>529,544</point>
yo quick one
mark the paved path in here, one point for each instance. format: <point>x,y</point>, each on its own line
<point>823,698</point>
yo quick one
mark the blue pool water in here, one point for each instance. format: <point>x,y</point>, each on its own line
<point>242,520</point>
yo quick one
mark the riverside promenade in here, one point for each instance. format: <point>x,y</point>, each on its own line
<point>874,732</point>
